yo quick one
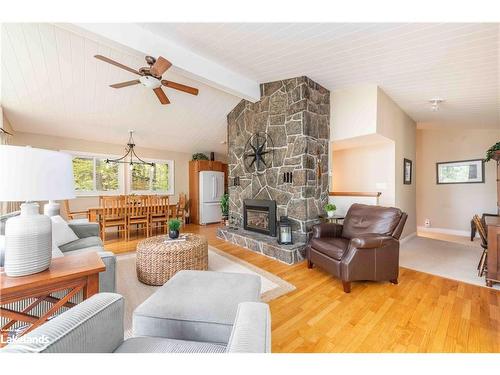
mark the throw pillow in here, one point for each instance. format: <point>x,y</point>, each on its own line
<point>61,232</point>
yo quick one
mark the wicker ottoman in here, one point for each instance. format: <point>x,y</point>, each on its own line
<point>157,261</point>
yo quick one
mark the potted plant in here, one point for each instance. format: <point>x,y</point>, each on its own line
<point>200,156</point>
<point>224,205</point>
<point>173,228</point>
<point>491,151</point>
<point>330,209</point>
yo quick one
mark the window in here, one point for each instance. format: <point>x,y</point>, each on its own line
<point>156,179</point>
<point>94,176</point>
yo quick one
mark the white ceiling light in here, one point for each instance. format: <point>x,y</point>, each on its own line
<point>150,82</point>
<point>435,102</point>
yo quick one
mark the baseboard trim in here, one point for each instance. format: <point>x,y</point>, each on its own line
<point>455,232</point>
<point>408,237</point>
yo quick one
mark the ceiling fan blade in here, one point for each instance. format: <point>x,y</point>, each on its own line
<point>161,95</point>
<point>125,84</point>
<point>160,66</point>
<point>180,87</point>
<point>115,63</point>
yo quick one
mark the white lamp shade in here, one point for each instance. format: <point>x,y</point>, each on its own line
<point>33,174</point>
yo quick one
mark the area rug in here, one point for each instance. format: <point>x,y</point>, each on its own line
<point>136,292</point>
<point>443,258</point>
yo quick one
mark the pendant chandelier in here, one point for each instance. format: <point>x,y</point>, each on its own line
<point>128,158</point>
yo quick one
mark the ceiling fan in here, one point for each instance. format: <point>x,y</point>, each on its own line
<point>151,77</point>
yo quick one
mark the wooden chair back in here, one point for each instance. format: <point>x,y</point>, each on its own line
<point>70,215</point>
<point>159,205</point>
<point>137,205</point>
<point>113,208</point>
<point>481,229</point>
<point>181,206</point>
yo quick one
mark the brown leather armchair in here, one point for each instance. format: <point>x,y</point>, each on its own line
<point>365,247</point>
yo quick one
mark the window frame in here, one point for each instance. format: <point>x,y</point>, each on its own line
<point>171,179</point>
<point>94,156</point>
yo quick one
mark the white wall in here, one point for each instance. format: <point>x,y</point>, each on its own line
<point>181,160</point>
<point>452,206</point>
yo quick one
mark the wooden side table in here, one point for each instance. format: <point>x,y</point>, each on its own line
<point>73,273</point>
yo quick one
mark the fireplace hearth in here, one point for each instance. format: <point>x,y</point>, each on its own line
<point>259,215</point>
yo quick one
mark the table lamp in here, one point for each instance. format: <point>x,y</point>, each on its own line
<point>28,175</point>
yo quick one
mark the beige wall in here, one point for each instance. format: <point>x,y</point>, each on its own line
<point>353,112</point>
<point>452,206</point>
<point>367,168</point>
<point>181,160</point>
<point>361,117</point>
<point>395,124</point>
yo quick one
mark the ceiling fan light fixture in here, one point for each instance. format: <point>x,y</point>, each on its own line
<point>150,82</point>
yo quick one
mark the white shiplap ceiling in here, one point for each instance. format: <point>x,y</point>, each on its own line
<point>52,84</point>
<point>410,62</point>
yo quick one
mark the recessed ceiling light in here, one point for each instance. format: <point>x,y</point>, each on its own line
<point>223,142</point>
<point>435,102</point>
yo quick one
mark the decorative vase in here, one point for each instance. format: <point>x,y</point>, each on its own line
<point>330,213</point>
<point>28,242</point>
<point>173,234</point>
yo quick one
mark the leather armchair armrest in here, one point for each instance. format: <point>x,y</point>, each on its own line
<point>370,241</point>
<point>326,230</point>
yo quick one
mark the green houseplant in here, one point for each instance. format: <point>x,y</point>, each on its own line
<point>224,205</point>
<point>200,156</point>
<point>491,151</point>
<point>173,228</point>
<point>330,209</point>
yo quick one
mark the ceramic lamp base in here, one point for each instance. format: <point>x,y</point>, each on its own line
<point>52,209</point>
<point>28,242</point>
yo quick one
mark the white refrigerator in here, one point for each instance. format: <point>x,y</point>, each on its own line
<point>211,191</point>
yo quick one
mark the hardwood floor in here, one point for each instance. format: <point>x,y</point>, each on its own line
<point>424,313</point>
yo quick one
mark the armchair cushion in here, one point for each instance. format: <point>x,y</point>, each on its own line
<point>82,243</point>
<point>331,247</point>
<point>370,241</point>
<point>362,219</point>
<point>326,230</point>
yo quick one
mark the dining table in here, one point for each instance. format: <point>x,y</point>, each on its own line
<point>95,212</point>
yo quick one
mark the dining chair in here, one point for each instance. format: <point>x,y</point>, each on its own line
<point>481,229</point>
<point>159,213</point>
<point>138,213</point>
<point>71,215</point>
<point>114,214</point>
<point>180,210</point>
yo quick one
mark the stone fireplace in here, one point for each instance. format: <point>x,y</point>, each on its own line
<point>295,114</point>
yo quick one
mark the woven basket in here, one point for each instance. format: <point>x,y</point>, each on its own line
<point>157,261</point>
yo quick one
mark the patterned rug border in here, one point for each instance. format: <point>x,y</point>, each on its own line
<point>284,287</point>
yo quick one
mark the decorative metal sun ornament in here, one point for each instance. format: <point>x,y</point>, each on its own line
<point>259,153</point>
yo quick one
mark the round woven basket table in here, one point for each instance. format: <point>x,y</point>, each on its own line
<point>158,260</point>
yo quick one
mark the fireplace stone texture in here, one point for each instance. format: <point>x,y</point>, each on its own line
<point>296,114</point>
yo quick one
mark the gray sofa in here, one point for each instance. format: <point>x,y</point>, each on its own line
<point>96,326</point>
<point>88,240</point>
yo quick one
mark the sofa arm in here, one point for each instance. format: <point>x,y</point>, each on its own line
<point>83,230</point>
<point>93,326</point>
<point>107,279</point>
<point>326,230</point>
<point>252,329</point>
<point>370,241</point>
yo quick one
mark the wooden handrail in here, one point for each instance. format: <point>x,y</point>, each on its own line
<point>375,194</point>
